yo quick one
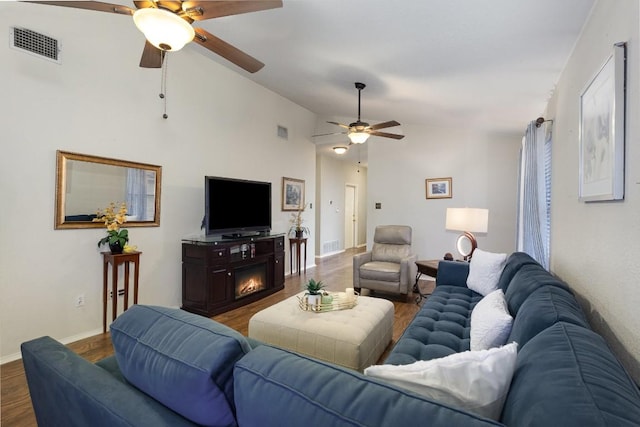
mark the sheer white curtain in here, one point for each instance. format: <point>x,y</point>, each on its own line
<point>534,198</point>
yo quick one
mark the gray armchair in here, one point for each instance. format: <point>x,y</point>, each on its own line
<point>389,266</point>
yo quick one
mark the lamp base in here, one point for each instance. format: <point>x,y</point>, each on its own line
<point>466,244</point>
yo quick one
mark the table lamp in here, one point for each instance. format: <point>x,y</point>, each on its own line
<point>467,220</point>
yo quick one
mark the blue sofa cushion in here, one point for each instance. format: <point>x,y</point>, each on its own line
<point>528,279</point>
<point>440,328</point>
<point>183,360</point>
<point>305,392</point>
<point>515,261</point>
<point>543,308</point>
<point>567,376</point>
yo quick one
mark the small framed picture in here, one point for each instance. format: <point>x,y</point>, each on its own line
<point>438,188</point>
<point>292,194</point>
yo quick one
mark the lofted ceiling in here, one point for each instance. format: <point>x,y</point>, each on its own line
<point>488,64</point>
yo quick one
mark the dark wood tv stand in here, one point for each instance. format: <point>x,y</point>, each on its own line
<point>220,274</point>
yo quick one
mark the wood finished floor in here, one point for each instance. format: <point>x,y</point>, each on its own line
<point>335,271</point>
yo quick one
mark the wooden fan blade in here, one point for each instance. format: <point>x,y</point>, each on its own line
<point>224,49</point>
<point>327,134</point>
<point>388,124</point>
<point>90,5</point>
<point>339,124</point>
<point>216,9</point>
<point>386,135</point>
<point>151,56</point>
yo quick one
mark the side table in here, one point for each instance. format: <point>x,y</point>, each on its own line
<point>297,242</point>
<point>115,260</point>
<point>428,267</point>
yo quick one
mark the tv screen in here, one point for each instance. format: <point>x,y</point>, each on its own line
<point>237,207</point>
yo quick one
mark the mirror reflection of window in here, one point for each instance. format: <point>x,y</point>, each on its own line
<point>141,186</point>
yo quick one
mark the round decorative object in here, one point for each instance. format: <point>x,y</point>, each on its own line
<point>466,244</point>
<point>116,248</point>
<point>299,234</point>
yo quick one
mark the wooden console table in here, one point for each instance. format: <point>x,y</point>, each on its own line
<point>115,260</point>
<point>297,242</point>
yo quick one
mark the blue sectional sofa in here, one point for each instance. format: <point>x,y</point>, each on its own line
<point>174,368</point>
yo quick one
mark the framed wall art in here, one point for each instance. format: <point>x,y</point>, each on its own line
<point>292,194</point>
<point>602,105</point>
<point>438,188</point>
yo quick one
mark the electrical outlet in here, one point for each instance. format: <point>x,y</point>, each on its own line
<point>80,300</point>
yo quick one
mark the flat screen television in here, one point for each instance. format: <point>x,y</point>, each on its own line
<point>236,207</point>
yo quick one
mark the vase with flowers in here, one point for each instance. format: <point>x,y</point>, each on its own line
<point>116,237</point>
<point>296,221</point>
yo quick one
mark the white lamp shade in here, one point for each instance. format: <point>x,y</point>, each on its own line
<point>467,219</point>
<point>358,137</point>
<point>163,29</point>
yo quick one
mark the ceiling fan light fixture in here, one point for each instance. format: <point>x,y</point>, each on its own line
<point>340,149</point>
<point>358,137</point>
<point>163,29</point>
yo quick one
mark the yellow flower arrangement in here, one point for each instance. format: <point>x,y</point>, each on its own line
<point>113,220</point>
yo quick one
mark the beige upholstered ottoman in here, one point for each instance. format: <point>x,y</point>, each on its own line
<point>354,338</point>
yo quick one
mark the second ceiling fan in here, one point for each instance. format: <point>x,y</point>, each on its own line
<point>359,131</point>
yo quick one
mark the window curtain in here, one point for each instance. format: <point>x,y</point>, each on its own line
<point>534,195</point>
<point>136,194</point>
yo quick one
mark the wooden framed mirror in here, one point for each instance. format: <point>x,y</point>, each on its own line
<point>87,183</point>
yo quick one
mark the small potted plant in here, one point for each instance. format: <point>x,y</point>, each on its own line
<point>314,292</point>
<point>116,237</point>
<point>296,221</point>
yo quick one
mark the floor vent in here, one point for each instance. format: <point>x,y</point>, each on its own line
<point>35,43</point>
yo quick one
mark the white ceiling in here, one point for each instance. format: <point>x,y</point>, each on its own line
<point>490,64</point>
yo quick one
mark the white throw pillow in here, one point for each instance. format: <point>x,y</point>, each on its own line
<point>490,322</point>
<point>477,381</point>
<point>485,269</point>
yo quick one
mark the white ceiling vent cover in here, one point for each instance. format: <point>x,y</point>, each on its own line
<point>35,43</point>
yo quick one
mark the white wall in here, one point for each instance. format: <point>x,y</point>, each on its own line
<point>333,174</point>
<point>595,246</point>
<point>484,169</point>
<point>99,102</point>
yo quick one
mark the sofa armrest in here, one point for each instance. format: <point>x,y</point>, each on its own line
<point>452,273</point>
<point>358,261</point>
<point>275,387</point>
<point>68,390</point>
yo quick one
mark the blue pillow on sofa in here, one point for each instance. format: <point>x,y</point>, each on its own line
<point>183,360</point>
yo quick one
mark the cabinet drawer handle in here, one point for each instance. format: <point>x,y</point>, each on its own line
<point>229,274</point>
<point>219,253</point>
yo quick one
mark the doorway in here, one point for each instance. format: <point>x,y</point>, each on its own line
<point>350,216</point>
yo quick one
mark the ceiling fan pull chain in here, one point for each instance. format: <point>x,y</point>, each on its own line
<point>163,83</point>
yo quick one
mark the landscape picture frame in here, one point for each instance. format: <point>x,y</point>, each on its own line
<point>439,188</point>
<point>292,194</point>
<point>601,133</point>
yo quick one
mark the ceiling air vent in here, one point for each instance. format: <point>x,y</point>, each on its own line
<point>35,43</point>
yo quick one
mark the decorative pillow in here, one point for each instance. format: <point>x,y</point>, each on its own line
<point>490,322</point>
<point>477,381</point>
<point>484,271</point>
